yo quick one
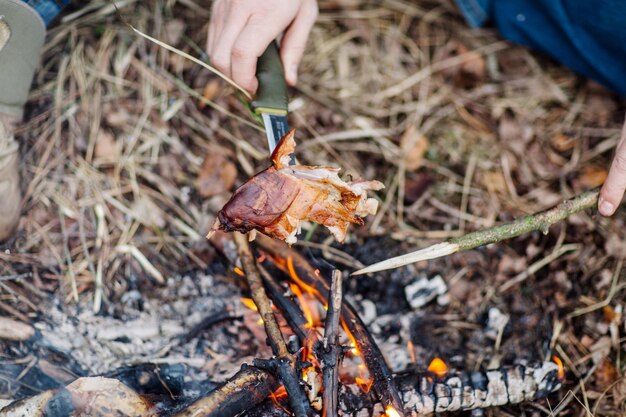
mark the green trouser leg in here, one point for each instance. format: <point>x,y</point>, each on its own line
<point>22,32</point>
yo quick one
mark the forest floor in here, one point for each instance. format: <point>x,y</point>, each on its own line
<point>129,151</point>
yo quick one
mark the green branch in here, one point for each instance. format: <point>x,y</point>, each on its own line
<point>538,221</point>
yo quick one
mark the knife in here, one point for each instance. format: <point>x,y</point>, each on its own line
<point>271,100</point>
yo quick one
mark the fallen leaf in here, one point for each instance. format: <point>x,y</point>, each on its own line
<point>495,182</point>
<point>474,64</point>
<point>217,174</point>
<point>415,186</point>
<point>592,176</point>
<point>107,148</point>
<point>211,89</point>
<point>413,145</point>
<point>562,143</point>
<point>606,373</point>
<point>609,314</point>
<point>147,212</point>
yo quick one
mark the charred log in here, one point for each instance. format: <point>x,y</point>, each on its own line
<point>248,388</point>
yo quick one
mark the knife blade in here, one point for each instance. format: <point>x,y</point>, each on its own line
<point>271,100</point>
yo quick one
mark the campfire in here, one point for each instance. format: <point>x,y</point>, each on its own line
<point>325,361</point>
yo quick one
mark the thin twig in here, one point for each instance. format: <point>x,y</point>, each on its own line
<point>330,350</point>
<point>285,363</point>
<point>539,221</point>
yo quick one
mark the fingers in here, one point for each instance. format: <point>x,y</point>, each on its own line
<point>225,39</point>
<point>241,30</point>
<point>613,189</point>
<point>250,45</point>
<point>215,25</point>
<point>293,43</point>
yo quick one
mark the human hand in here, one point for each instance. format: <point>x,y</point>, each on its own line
<point>613,189</point>
<point>241,30</point>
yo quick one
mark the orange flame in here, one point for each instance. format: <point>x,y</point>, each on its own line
<point>411,350</point>
<point>294,275</point>
<point>354,347</point>
<point>278,395</point>
<point>239,272</point>
<point>304,305</point>
<point>561,371</point>
<point>364,384</point>
<point>438,367</point>
<point>249,303</point>
<point>363,380</point>
<point>391,412</point>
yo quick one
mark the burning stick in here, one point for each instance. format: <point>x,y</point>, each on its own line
<point>285,363</point>
<point>246,389</point>
<point>292,314</point>
<point>364,342</point>
<point>428,393</point>
<point>329,350</point>
<point>540,221</point>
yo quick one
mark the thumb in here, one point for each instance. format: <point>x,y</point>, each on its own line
<point>294,41</point>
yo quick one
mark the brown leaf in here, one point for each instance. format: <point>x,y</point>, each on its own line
<point>562,143</point>
<point>107,148</point>
<point>609,314</point>
<point>592,176</point>
<point>606,373</point>
<point>211,89</point>
<point>413,145</point>
<point>475,64</point>
<point>495,182</point>
<point>217,174</point>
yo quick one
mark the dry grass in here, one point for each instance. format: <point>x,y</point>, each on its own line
<point>464,129</point>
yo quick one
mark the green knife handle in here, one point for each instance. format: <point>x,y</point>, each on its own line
<point>271,95</point>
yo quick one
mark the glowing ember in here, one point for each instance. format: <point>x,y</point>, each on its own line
<point>249,303</point>
<point>559,362</point>
<point>391,412</point>
<point>239,272</point>
<point>438,367</point>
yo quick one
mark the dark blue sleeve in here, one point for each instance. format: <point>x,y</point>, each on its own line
<point>587,36</point>
<point>48,9</point>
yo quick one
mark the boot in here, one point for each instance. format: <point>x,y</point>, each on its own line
<point>10,195</point>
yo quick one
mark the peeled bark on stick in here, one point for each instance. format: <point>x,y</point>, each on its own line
<point>539,221</point>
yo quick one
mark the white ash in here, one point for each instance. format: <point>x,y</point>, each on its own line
<point>368,311</point>
<point>145,327</point>
<point>423,290</point>
<point>496,323</point>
